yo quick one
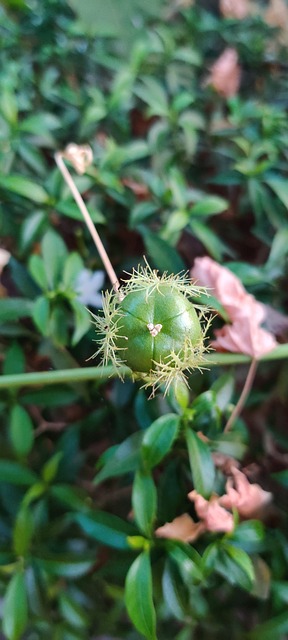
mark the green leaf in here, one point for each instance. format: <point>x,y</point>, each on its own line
<point>37,270</point>
<point>112,19</point>
<point>165,257</point>
<point>82,321</point>
<point>138,596</point>
<point>71,210</point>
<point>223,387</point>
<point>209,206</point>
<point>40,314</point>
<point>201,463</point>
<point>8,105</point>
<point>206,413</point>
<point>50,469</point>
<point>231,444</point>
<point>14,360</point>
<point>21,431</point>
<point>67,565</point>
<point>23,531</point>
<point>14,308</point>
<point>124,459</point>
<point>15,608</point>
<point>153,94</point>
<point>250,536</point>
<point>58,329</point>
<point>278,252</point>
<point>73,612</point>
<point>24,187</point>
<point>280,187</point>
<point>24,283</point>
<point>54,255</point>
<point>52,396</point>
<point>235,566</point>
<point>140,212</point>
<point>187,559</point>
<point>144,501</point>
<point>73,266</point>
<point>274,629</point>
<point>210,240</point>
<point>70,496</point>
<point>281,477</point>
<point>175,592</point>
<point>14,473</point>
<point>107,528</point>
<point>158,439</point>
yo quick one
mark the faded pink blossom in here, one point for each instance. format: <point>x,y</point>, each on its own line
<point>237,9</point>
<point>224,462</point>
<point>244,337</point>
<point>182,528</point>
<point>227,288</point>
<point>277,16</point>
<point>4,258</point>
<point>225,74</point>
<point>213,516</point>
<point>248,499</point>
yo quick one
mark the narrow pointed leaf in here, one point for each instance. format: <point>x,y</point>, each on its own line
<point>138,596</point>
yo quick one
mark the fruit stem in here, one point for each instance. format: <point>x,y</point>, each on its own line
<point>243,396</point>
<point>59,159</point>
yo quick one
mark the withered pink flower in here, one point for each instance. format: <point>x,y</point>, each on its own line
<point>227,288</point>
<point>248,499</point>
<point>225,74</point>
<point>224,462</point>
<point>212,514</point>
<point>4,258</point>
<point>139,189</point>
<point>244,336</point>
<point>182,528</point>
<point>277,16</point>
<point>237,9</point>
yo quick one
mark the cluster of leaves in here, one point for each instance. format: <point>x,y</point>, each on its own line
<point>178,172</point>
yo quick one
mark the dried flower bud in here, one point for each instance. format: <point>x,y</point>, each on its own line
<point>155,329</point>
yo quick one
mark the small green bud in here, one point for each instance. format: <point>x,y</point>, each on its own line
<point>154,329</point>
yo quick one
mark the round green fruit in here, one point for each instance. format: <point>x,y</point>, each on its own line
<point>152,327</point>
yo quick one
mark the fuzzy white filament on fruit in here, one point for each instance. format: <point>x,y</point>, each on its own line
<point>154,329</point>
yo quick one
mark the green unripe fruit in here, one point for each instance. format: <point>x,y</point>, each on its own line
<point>154,326</point>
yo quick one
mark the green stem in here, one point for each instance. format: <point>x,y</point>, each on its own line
<point>213,359</point>
<point>103,373</point>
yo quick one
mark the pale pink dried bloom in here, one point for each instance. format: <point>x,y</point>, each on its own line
<point>237,9</point>
<point>224,462</point>
<point>227,288</point>
<point>248,499</point>
<point>277,13</point>
<point>277,16</point>
<point>182,528</point>
<point>213,516</point>
<point>4,258</point>
<point>244,336</point>
<point>225,74</point>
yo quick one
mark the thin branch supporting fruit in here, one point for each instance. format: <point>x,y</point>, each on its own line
<point>81,158</point>
<point>244,395</point>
